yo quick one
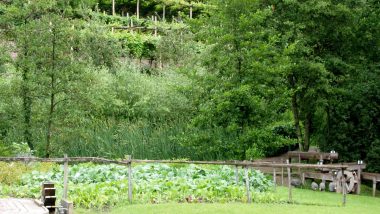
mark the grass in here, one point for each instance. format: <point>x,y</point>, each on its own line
<point>305,201</point>
<point>142,140</point>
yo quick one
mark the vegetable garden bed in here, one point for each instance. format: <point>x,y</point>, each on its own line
<point>102,186</point>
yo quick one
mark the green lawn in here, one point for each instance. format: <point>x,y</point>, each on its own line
<point>306,201</point>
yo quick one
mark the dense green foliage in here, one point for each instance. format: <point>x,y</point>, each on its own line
<point>241,91</point>
<point>101,186</point>
<point>242,79</point>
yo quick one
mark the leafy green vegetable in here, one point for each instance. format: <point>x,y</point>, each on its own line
<point>102,186</point>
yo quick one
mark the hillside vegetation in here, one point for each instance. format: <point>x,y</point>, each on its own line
<point>212,79</point>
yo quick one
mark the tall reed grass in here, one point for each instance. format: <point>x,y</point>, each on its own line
<point>142,140</point>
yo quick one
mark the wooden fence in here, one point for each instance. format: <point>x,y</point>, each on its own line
<point>246,165</point>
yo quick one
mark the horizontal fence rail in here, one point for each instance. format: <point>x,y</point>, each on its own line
<point>63,160</point>
<point>126,162</point>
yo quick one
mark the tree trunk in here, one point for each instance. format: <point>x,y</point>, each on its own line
<point>50,121</point>
<point>27,107</point>
<point>52,98</point>
<point>26,96</point>
<point>295,110</point>
<point>307,127</point>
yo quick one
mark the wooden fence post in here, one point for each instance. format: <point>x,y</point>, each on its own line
<point>236,175</point>
<point>249,199</point>
<point>374,186</point>
<point>282,173</point>
<point>358,190</point>
<point>299,161</point>
<point>289,182</point>
<point>65,177</point>
<point>274,178</point>
<point>68,206</point>
<point>130,178</point>
<point>303,178</point>
<point>344,187</point>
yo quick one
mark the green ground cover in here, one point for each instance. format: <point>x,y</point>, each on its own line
<point>305,201</point>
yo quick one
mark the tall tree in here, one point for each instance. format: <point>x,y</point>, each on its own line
<point>352,125</point>
<point>239,103</point>
<point>313,33</point>
<point>54,54</point>
<point>16,19</point>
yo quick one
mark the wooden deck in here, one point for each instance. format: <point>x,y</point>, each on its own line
<point>20,206</point>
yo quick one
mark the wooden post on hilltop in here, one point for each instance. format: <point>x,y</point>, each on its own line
<point>289,182</point>
<point>163,12</point>
<point>191,11</point>
<point>97,7</point>
<point>113,7</point>
<point>249,199</point>
<point>65,177</point>
<point>129,158</point>
<point>138,9</point>
<point>155,25</point>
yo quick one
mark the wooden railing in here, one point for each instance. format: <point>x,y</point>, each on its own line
<point>128,162</point>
